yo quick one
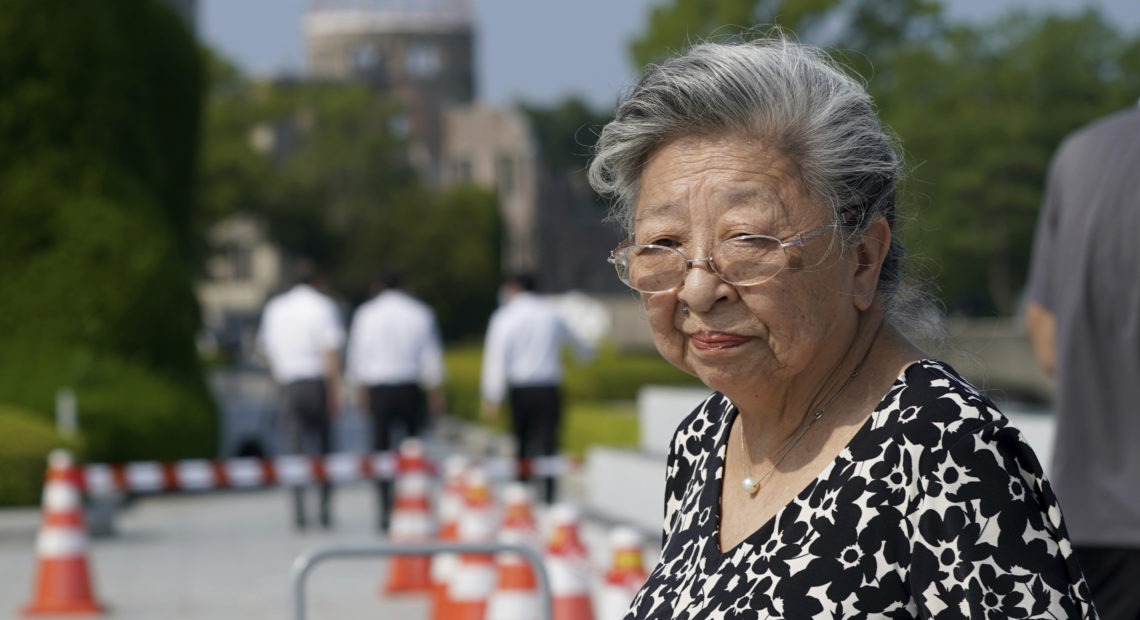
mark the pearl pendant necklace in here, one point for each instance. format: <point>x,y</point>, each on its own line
<point>752,485</point>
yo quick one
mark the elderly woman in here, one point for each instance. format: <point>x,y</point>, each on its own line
<point>836,472</point>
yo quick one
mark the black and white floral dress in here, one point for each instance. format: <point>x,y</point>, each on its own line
<point>937,508</point>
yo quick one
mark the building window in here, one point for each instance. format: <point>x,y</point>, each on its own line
<point>423,61</point>
<point>364,58</point>
<point>462,171</point>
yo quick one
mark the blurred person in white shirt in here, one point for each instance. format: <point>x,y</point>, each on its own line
<point>396,358</point>
<point>301,336</point>
<point>522,364</point>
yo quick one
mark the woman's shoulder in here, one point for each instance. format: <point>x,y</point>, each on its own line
<point>931,394</point>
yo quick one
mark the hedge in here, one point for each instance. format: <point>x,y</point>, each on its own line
<point>25,441</point>
<point>612,375</point>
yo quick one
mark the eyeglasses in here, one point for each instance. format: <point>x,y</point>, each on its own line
<point>740,261</point>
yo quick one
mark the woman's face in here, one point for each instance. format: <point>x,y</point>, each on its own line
<point>698,191</point>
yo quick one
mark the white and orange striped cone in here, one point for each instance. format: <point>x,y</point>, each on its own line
<point>568,565</point>
<point>450,510</point>
<point>473,580</point>
<point>412,520</point>
<point>63,585</point>
<point>625,576</point>
<point>516,593</point>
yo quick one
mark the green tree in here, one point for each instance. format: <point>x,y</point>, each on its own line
<point>325,166</point>
<point>869,29</point>
<point>447,244</point>
<point>566,132</point>
<point>979,110</point>
<point>99,108</point>
<point>980,115</point>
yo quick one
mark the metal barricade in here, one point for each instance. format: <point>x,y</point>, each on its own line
<point>305,563</point>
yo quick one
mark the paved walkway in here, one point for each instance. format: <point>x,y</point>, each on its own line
<point>227,555</point>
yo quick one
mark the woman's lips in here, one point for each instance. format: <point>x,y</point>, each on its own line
<point>716,341</point>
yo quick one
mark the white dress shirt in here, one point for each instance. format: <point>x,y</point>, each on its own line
<point>523,346</point>
<point>298,327</point>
<point>394,340</point>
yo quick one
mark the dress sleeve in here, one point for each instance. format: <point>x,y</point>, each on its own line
<point>987,537</point>
<point>672,491</point>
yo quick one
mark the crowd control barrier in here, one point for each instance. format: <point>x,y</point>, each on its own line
<point>306,562</point>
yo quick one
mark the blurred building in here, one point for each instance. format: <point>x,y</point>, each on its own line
<point>422,53</point>
<point>245,269</point>
<point>419,51</point>
<point>493,147</point>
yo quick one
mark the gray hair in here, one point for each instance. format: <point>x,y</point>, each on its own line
<point>792,96</point>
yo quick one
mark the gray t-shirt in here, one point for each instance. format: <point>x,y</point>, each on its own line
<point>1086,270</point>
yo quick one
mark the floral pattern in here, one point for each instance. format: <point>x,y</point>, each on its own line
<point>937,508</point>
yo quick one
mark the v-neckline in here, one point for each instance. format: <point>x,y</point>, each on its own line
<point>716,473</point>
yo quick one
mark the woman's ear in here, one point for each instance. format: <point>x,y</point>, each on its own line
<point>870,252</point>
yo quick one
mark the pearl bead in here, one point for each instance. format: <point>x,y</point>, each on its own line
<point>750,484</point>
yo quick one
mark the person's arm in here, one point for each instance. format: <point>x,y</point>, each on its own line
<point>1041,326</point>
<point>362,401</point>
<point>1042,290</point>
<point>493,379</point>
<point>584,351</point>
<point>333,340</point>
<point>433,371</point>
<point>332,381</point>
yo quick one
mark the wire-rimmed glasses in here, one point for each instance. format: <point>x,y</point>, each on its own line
<point>741,261</point>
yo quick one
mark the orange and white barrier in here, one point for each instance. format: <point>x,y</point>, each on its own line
<point>569,566</point>
<point>241,473</point>
<point>625,576</point>
<point>516,593</point>
<point>473,580</point>
<point>140,477</point>
<point>63,583</point>
<point>412,520</point>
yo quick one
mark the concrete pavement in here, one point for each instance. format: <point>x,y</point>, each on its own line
<point>228,555</point>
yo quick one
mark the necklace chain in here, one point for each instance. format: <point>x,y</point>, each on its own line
<point>752,485</point>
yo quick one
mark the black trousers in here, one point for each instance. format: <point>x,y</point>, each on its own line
<point>308,431</point>
<point>1113,575</point>
<point>536,415</point>
<point>395,406</point>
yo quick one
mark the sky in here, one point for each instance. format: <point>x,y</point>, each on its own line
<point>538,51</point>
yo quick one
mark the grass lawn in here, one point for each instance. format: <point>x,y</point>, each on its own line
<point>597,423</point>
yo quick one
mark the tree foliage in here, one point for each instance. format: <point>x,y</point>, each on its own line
<point>99,108</point>
<point>978,109</point>
<point>325,166</point>
<point>980,118</point>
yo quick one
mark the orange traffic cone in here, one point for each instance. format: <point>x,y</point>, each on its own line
<point>569,566</point>
<point>411,520</point>
<point>64,583</point>
<point>450,510</point>
<point>516,595</point>
<point>473,580</point>
<point>625,576</point>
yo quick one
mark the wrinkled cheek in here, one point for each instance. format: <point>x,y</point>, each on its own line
<point>660,312</point>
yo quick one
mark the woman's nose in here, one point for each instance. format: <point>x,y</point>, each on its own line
<point>702,287</point>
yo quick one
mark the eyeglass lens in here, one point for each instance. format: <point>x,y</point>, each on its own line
<point>741,260</point>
